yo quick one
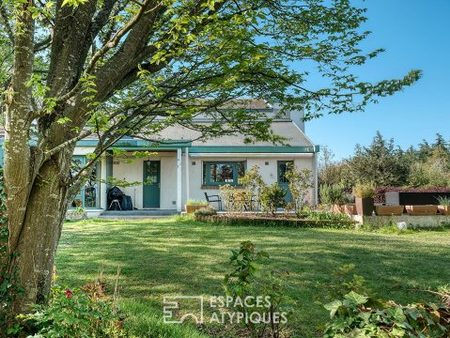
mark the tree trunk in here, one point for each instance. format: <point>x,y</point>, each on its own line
<point>37,238</point>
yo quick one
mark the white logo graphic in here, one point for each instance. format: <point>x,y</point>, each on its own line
<point>222,310</point>
<point>174,303</point>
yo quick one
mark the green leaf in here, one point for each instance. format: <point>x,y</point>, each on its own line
<point>355,298</point>
<point>333,307</point>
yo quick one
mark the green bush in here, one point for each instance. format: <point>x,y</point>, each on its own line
<point>75,313</point>
<point>443,200</point>
<point>300,183</point>
<point>272,197</point>
<point>207,211</point>
<point>334,220</point>
<point>197,203</point>
<point>356,316</point>
<point>364,190</point>
<point>248,280</point>
<point>333,194</point>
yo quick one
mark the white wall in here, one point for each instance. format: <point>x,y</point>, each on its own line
<point>268,172</point>
<point>132,170</point>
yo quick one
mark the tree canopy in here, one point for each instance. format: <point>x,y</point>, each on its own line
<point>385,164</point>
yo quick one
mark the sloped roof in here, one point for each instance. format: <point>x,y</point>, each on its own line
<point>287,129</point>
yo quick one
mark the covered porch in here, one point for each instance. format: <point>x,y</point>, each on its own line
<point>151,177</point>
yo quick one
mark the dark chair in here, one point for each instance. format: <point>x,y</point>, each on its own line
<point>214,199</point>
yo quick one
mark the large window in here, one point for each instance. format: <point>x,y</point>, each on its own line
<point>220,173</point>
<point>89,195</point>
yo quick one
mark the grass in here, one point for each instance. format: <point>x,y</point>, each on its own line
<point>174,256</point>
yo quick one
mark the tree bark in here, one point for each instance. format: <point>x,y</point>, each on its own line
<point>38,236</point>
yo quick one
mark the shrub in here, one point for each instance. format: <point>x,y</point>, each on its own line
<point>75,313</point>
<point>248,280</point>
<point>300,183</point>
<point>272,197</point>
<point>333,194</point>
<point>356,316</point>
<point>334,220</point>
<point>364,190</point>
<point>207,211</point>
<point>253,182</point>
<point>197,203</point>
<point>344,280</point>
<point>443,200</point>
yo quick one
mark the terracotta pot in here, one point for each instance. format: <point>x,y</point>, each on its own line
<point>418,210</point>
<point>364,206</point>
<point>190,209</point>
<point>444,209</point>
<point>389,210</point>
<point>350,209</point>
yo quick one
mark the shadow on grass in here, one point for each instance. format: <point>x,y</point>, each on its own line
<point>175,256</point>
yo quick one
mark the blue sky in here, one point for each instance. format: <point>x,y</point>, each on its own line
<point>416,35</point>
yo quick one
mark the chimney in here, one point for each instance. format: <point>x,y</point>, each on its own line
<point>297,117</point>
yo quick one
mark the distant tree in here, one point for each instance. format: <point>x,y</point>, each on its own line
<point>381,163</point>
<point>434,171</point>
<point>333,172</point>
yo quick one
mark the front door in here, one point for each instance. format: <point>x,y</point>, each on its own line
<point>283,167</point>
<point>152,184</point>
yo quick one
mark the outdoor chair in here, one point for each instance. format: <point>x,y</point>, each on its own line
<point>214,199</point>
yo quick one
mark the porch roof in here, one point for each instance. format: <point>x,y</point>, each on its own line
<point>297,141</point>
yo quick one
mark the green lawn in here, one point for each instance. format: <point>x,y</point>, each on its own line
<point>178,256</point>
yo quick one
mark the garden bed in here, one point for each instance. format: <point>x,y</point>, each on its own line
<point>274,220</point>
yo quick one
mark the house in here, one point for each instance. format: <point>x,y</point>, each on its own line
<point>180,167</point>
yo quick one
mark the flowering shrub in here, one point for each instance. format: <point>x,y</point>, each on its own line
<point>75,313</point>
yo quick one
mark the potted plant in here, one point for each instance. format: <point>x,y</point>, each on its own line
<point>333,196</point>
<point>193,205</point>
<point>364,193</point>
<point>389,210</point>
<point>444,205</point>
<point>421,210</point>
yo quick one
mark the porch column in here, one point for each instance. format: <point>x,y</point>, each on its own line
<point>103,187</point>
<point>186,152</point>
<point>179,186</point>
<point>316,180</point>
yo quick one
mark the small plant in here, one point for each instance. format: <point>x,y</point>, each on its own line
<point>247,282</point>
<point>75,313</point>
<point>272,198</point>
<point>443,200</point>
<point>364,190</point>
<point>344,280</point>
<point>356,316</point>
<point>206,211</point>
<point>197,203</point>
<point>333,194</point>
<point>336,220</point>
<point>244,262</point>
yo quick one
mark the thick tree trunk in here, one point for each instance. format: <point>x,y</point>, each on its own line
<point>37,238</point>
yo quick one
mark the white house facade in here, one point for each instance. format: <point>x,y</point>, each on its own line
<point>180,167</point>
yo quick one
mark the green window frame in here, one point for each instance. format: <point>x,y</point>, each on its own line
<point>89,195</point>
<point>217,173</point>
